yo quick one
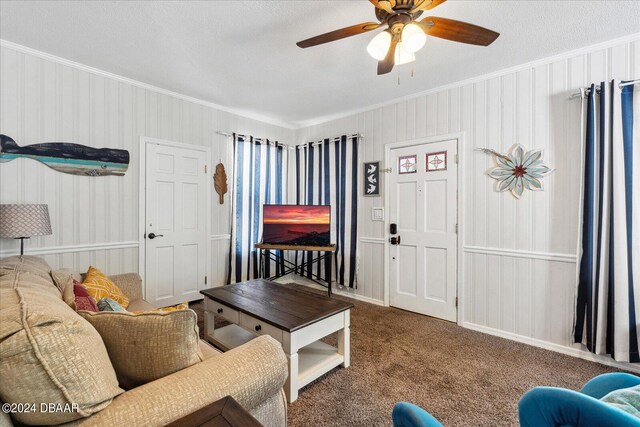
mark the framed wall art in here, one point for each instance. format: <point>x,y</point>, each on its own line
<point>372,179</point>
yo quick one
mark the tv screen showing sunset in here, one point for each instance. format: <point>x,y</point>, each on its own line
<point>297,225</point>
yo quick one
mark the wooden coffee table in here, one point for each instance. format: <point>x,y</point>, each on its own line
<point>298,319</point>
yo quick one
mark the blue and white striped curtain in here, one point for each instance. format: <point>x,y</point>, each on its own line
<point>327,174</point>
<point>259,177</point>
<point>608,289</point>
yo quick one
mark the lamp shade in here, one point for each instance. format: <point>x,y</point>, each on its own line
<point>24,220</point>
<point>379,45</point>
<point>413,38</point>
<point>402,56</point>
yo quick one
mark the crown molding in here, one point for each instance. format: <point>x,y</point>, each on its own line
<point>499,73</point>
<point>44,55</point>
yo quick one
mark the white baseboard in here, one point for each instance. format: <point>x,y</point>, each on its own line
<point>359,297</point>
<point>299,280</point>
<point>570,351</point>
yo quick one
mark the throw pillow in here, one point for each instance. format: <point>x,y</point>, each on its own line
<point>147,346</point>
<point>49,354</point>
<point>107,304</point>
<point>626,399</point>
<point>181,306</point>
<point>61,278</point>
<point>82,300</point>
<point>100,286</point>
<point>68,296</point>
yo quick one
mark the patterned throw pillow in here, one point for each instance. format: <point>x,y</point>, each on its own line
<point>82,299</point>
<point>107,304</point>
<point>626,399</point>
<point>181,306</point>
<point>100,286</point>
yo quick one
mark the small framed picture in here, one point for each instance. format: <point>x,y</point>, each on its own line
<point>371,179</point>
<point>407,164</point>
<point>437,161</point>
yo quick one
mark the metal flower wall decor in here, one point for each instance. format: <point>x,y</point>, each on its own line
<point>519,170</point>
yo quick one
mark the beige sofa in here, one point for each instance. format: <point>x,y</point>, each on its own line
<point>38,332</point>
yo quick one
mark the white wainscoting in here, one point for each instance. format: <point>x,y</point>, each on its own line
<point>219,259</point>
<point>521,254</point>
<point>55,250</point>
<point>110,257</point>
<point>370,270</point>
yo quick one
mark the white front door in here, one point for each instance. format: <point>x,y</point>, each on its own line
<point>176,238</point>
<point>423,205</point>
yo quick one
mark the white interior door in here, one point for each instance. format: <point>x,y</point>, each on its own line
<point>176,196</point>
<point>423,205</point>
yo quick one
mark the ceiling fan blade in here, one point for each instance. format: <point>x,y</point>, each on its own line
<point>339,34</point>
<point>457,31</point>
<point>386,65</point>
<point>386,5</point>
<point>426,5</point>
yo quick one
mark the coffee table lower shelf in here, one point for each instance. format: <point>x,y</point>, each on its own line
<point>314,359</point>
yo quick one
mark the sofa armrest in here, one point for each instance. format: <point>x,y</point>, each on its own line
<point>130,284</point>
<point>251,374</point>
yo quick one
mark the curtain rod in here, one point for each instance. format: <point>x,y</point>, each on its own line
<point>228,135</point>
<point>239,134</point>
<point>585,90</point>
<point>289,147</point>
<point>315,144</point>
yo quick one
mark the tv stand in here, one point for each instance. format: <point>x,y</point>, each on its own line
<point>269,252</point>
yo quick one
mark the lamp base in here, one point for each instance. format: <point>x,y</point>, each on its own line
<point>21,244</point>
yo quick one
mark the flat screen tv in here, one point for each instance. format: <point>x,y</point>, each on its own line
<point>303,225</point>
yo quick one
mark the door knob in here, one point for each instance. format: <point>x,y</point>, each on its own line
<point>395,240</point>
<point>154,235</point>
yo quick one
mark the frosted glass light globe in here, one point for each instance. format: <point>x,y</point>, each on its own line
<point>402,56</point>
<point>413,38</point>
<point>379,45</point>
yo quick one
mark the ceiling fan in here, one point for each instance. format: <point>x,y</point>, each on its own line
<point>404,34</point>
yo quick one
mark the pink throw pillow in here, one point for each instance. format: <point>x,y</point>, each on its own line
<point>82,298</point>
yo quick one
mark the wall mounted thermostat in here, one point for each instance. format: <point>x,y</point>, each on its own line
<point>377,214</point>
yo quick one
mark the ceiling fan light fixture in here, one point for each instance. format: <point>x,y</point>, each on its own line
<point>379,45</point>
<point>403,56</point>
<point>413,37</point>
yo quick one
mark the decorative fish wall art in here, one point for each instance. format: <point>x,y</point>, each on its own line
<point>69,158</point>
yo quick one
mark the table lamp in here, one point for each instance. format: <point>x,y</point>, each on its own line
<point>21,221</point>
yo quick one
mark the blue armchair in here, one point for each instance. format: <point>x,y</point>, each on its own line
<point>552,406</point>
<point>407,414</point>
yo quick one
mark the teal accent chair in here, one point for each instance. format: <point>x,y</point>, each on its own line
<point>553,407</point>
<point>407,414</point>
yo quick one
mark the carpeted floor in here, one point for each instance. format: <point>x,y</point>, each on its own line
<point>463,377</point>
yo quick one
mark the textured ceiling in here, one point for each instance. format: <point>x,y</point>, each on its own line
<point>242,54</point>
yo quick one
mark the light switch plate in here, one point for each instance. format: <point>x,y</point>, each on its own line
<point>377,214</point>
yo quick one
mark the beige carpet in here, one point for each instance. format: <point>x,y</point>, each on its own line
<point>463,377</point>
